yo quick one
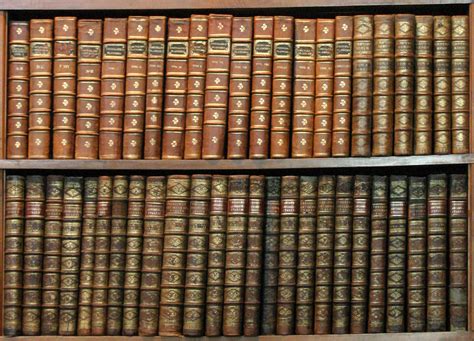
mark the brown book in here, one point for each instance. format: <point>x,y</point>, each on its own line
<point>154,88</point>
<point>239,88</point>
<point>18,89</point>
<point>41,70</point>
<point>281,87</point>
<point>64,87</point>
<point>135,87</point>
<point>89,57</point>
<point>303,88</point>
<point>112,88</point>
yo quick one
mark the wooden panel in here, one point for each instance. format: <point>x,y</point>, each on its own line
<point>471,176</point>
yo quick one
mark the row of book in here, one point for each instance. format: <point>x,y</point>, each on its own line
<point>235,254</point>
<point>217,86</point>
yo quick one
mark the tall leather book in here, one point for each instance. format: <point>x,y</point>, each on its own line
<point>133,256</point>
<point>324,254</point>
<point>281,87</point>
<point>153,227</point>
<point>175,88</point>
<point>18,89</point>
<point>459,84</point>
<point>112,88</point>
<point>216,255</point>
<point>270,260</point>
<point>423,120</point>
<point>135,87</point>
<point>239,88</point>
<point>396,254</point>
<point>287,255</point>
<point>362,83</point>
<point>196,85</point>
<point>458,254</point>
<point>341,123</point>
<point>303,88</point>
<point>378,254</point>
<point>304,310</point>
<point>217,86</point>
<point>33,254</point>
<point>324,87</point>
<point>383,85</point>
<point>416,269</point>
<point>437,255</point>
<point>260,104</point>
<point>64,87</point>
<point>41,70</point>
<point>70,255</point>
<point>174,254</point>
<point>13,258</point>
<point>196,263</point>
<point>154,88</point>
<point>89,57</point>
<point>341,290</point>
<point>254,267</point>
<point>360,253</point>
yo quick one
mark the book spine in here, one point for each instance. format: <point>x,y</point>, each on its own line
<point>239,88</point>
<point>89,57</point>
<point>18,89</point>
<point>303,88</point>
<point>154,88</point>
<point>41,70</point>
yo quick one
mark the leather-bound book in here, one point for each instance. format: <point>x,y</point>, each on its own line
<point>18,89</point>
<point>282,87</point>
<point>254,267</point>
<point>360,253</point>
<point>70,255</point>
<point>304,310</point>
<point>89,57</point>
<point>239,88</point>
<point>341,122</point>
<point>175,88</point>
<point>118,246</point>
<point>397,255</point>
<point>458,254</point>
<point>303,88</point>
<point>154,88</point>
<point>324,87</point>
<point>216,255</point>
<point>260,104</point>
<point>135,87</point>
<point>64,87</point>
<point>196,85</point>
<point>416,269</point>
<point>423,120</point>
<point>287,255</point>
<point>437,254</point>
<point>378,255</point>
<point>40,105</point>
<point>341,290</point>
<point>112,88</point>
<point>174,254</point>
<point>362,83</point>
<point>13,255</point>
<point>152,255</point>
<point>270,260</point>
<point>52,254</point>
<point>442,85</point>
<point>460,84</point>
<point>217,86</point>
<point>133,256</point>
<point>196,264</point>
<point>324,254</point>
<point>383,85</point>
